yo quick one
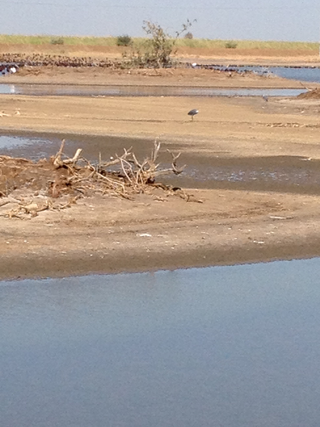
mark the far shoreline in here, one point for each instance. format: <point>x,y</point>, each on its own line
<point>171,77</point>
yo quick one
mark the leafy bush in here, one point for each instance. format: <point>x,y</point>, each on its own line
<point>124,40</point>
<point>57,40</point>
<point>231,45</point>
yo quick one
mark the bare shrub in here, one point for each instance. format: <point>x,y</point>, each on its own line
<point>158,48</point>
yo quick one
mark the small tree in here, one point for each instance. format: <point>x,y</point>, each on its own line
<point>158,48</point>
<point>161,45</point>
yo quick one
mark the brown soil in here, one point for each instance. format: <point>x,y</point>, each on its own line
<point>235,223</point>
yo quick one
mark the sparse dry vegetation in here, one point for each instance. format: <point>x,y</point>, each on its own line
<point>140,41</point>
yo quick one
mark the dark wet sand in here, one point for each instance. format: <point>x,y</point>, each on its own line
<point>75,264</point>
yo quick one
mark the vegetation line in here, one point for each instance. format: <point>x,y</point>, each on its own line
<point>181,42</point>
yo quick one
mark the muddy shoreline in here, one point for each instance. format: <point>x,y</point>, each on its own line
<point>242,230</point>
<point>231,227</point>
<point>31,267</point>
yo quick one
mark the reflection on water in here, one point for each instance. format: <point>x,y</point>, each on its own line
<point>224,346</point>
<point>307,74</point>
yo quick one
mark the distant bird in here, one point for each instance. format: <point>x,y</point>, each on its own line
<point>193,112</point>
<point>265,98</point>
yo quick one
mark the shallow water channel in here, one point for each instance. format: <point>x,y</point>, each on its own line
<point>274,173</point>
<point>222,346</point>
<point>109,90</point>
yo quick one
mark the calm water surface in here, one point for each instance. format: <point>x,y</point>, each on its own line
<point>224,346</point>
<point>109,90</point>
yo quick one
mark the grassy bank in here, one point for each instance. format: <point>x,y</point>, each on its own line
<point>193,43</point>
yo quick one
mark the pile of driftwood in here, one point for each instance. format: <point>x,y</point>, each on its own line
<point>122,175</point>
<point>58,182</point>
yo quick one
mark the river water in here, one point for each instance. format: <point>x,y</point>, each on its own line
<point>112,90</point>
<point>223,346</point>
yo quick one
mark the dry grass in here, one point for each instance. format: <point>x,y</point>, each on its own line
<point>194,43</point>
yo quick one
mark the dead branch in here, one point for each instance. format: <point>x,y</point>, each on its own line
<point>155,152</point>
<point>58,162</point>
<point>74,177</point>
<point>175,157</point>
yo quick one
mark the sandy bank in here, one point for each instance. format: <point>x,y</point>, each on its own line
<point>238,224</point>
